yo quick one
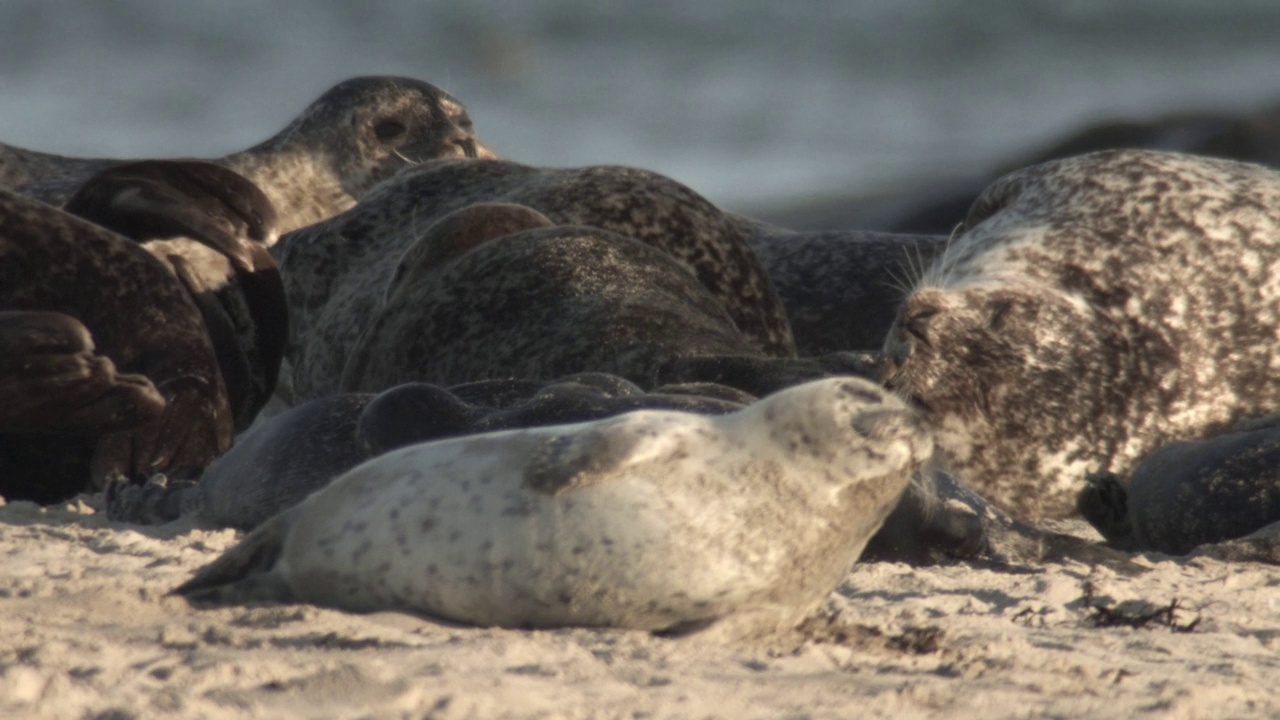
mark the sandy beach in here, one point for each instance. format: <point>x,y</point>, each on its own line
<point>88,631</point>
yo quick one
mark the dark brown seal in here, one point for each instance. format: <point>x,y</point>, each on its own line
<point>1093,310</point>
<point>352,137</point>
<point>139,317</point>
<point>212,227</point>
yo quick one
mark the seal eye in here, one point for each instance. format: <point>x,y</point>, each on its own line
<point>991,201</point>
<point>464,122</point>
<point>389,130</point>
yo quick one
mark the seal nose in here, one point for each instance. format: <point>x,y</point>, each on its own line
<point>468,147</point>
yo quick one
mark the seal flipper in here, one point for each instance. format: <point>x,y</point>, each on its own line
<point>160,199</point>
<point>247,572</point>
<point>192,432</point>
<point>1104,502</point>
<point>580,459</point>
<point>52,380</point>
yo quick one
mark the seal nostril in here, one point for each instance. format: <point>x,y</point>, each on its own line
<point>468,147</point>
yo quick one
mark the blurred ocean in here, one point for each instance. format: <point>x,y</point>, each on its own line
<point>751,102</point>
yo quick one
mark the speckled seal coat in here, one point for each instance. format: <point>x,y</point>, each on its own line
<point>1187,494</point>
<point>70,275</point>
<point>841,289</point>
<point>651,520</point>
<point>352,137</point>
<point>352,257</point>
<point>537,304</point>
<point>1094,309</point>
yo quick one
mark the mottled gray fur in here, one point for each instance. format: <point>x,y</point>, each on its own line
<point>352,137</point>
<point>1093,310</point>
<point>349,260</point>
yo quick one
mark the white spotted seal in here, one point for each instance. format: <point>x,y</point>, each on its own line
<point>358,133</point>
<point>337,271</point>
<point>651,520</point>
<point>1094,309</point>
<point>90,320</point>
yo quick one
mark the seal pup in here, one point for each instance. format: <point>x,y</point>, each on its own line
<point>652,520</point>
<point>354,255</point>
<point>1093,310</point>
<point>357,134</point>
<point>467,302</point>
<point>1188,494</point>
<point>279,462</point>
<point>138,316</point>
<point>212,228</point>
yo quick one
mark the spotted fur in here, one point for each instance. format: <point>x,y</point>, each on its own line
<point>1094,309</point>
<point>651,520</point>
<point>342,267</point>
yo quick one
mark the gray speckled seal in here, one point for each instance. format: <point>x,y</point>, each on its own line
<point>281,461</point>
<point>461,306</point>
<point>349,260</point>
<point>212,228</point>
<point>61,276</point>
<point>841,289</point>
<point>1189,494</point>
<point>358,133</point>
<point>1093,310</point>
<point>652,520</point>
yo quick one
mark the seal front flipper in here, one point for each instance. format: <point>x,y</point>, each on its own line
<point>580,459</point>
<point>192,432</point>
<point>247,573</point>
<point>51,380</point>
<point>161,199</point>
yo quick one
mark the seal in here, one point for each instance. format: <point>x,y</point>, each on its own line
<point>841,289</point>
<point>1094,309</point>
<point>212,228</point>
<point>349,260</point>
<point>278,463</point>
<point>459,305</point>
<point>76,296</point>
<point>653,520</point>
<point>1188,494</point>
<point>357,134</point>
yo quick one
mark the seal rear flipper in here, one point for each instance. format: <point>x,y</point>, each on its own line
<point>247,572</point>
<point>156,502</point>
